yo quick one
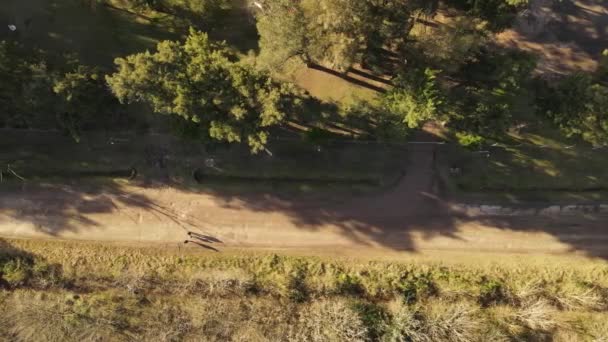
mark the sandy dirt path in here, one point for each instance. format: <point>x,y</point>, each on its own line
<point>410,217</point>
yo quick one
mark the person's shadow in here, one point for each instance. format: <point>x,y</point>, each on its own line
<point>202,240</point>
<point>201,245</point>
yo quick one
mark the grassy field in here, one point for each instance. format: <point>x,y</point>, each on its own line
<point>95,33</point>
<point>39,156</point>
<point>85,292</point>
<point>331,88</point>
<point>530,166</point>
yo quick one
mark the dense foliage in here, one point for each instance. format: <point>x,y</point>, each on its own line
<point>26,87</point>
<point>417,98</point>
<point>499,13</point>
<point>490,88</point>
<point>84,98</point>
<point>481,99</point>
<point>333,33</point>
<point>43,90</point>
<point>198,82</point>
<point>579,106</point>
<point>448,71</point>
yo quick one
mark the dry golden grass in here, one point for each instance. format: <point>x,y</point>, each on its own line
<point>112,292</point>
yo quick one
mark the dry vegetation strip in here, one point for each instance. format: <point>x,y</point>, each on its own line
<point>78,291</point>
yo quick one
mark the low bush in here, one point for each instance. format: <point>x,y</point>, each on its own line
<point>18,270</point>
<point>374,317</point>
<point>328,321</point>
<point>417,287</point>
<point>348,284</point>
<point>435,322</point>
<point>469,140</point>
<point>491,292</point>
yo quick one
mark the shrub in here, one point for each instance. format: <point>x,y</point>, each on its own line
<point>328,321</point>
<point>578,106</point>
<point>469,140</point>
<point>537,315</point>
<point>66,319</point>
<point>16,272</point>
<point>349,284</point>
<point>407,324</point>
<point>416,98</point>
<point>491,292</point>
<point>417,287</point>
<point>47,274</point>
<point>500,14</point>
<point>455,323</point>
<point>216,283</point>
<point>374,317</point>
<point>297,289</point>
<point>578,297</point>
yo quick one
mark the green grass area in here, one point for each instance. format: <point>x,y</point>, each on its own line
<point>288,165</point>
<point>38,156</point>
<point>72,291</point>
<point>296,159</point>
<point>331,88</point>
<point>96,33</point>
<point>99,31</point>
<point>541,165</point>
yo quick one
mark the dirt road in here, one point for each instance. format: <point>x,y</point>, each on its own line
<point>413,216</point>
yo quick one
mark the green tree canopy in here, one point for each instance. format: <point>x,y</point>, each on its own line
<point>416,98</point>
<point>579,106</point>
<point>498,13</point>
<point>198,82</point>
<point>333,33</point>
<point>489,90</point>
<point>84,98</point>
<point>283,35</point>
<point>26,97</point>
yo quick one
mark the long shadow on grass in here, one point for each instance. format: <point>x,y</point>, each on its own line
<point>351,79</point>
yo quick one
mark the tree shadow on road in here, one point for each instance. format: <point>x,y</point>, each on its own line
<point>397,218</point>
